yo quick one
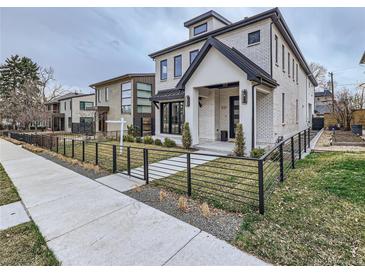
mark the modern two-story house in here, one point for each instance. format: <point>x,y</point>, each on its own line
<point>250,72</point>
<point>126,96</point>
<point>72,112</point>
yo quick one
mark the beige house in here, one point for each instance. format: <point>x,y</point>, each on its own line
<point>250,72</point>
<point>127,97</point>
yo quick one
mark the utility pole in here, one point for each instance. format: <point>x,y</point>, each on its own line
<point>333,93</point>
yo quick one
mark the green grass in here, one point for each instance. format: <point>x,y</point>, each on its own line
<point>8,193</point>
<point>316,217</point>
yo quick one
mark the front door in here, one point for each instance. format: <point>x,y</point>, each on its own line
<point>234,115</point>
<point>102,122</point>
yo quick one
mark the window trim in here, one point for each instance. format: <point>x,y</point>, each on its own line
<point>196,50</point>
<point>248,38</point>
<point>175,58</point>
<point>276,50</point>
<point>180,123</point>
<point>206,28</point>
<point>283,57</point>
<point>162,61</point>
<point>283,108</point>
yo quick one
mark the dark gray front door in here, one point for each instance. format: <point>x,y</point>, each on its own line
<point>234,115</point>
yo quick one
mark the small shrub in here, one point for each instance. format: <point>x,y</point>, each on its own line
<point>138,139</point>
<point>183,203</point>
<point>169,143</point>
<point>257,152</point>
<point>163,195</point>
<point>125,138</point>
<point>240,144</point>
<point>158,142</point>
<point>186,136</point>
<point>129,138</point>
<point>148,140</point>
<point>205,210</point>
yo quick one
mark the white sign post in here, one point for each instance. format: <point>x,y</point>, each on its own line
<point>121,122</point>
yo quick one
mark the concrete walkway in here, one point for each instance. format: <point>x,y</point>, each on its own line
<point>88,223</point>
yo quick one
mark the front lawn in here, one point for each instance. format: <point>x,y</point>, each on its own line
<point>316,217</point>
<point>8,193</point>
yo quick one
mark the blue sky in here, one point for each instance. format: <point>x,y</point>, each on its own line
<point>86,45</point>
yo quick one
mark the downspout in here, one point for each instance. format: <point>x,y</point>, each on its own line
<point>271,47</point>
<point>253,114</point>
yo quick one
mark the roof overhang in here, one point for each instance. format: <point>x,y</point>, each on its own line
<point>121,78</point>
<point>205,16</point>
<point>168,95</point>
<point>99,108</point>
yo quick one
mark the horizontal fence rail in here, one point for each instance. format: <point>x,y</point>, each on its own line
<point>228,182</point>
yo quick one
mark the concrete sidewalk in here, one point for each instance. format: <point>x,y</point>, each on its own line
<point>87,223</point>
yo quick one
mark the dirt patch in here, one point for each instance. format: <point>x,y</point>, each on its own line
<point>219,223</point>
<point>344,141</point>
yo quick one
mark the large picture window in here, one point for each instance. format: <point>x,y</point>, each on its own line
<point>172,117</point>
<point>144,92</point>
<point>126,97</point>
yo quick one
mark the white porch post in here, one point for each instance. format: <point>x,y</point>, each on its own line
<point>192,113</point>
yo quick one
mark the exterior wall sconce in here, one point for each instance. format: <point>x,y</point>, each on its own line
<point>244,96</point>
<point>187,100</point>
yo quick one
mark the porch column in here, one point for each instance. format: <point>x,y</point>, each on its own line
<point>192,113</point>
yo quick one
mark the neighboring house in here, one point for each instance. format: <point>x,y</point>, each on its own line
<point>250,72</point>
<point>322,102</point>
<point>127,97</point>
<point>72,112</point>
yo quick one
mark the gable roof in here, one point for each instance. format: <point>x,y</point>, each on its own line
<point>121,77</point>
<point>253,71</point>
<point>67,96</point>
<point>206,15</point>
<point>277,18</point>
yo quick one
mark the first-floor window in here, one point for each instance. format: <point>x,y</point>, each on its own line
<point>69,122</point>
<point>126,97</point>
<point>283,108</point>
<point>296,111</point>
<point>309,113</point>
<point>172,117</point>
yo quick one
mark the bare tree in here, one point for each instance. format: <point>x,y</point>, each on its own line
<point>49,88</point>
<point>320,74</point>
<point>344,106</point>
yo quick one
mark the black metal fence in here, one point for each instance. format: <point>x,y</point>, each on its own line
<point>228,182</point>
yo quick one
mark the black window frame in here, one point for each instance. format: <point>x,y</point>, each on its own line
<point>293,70</point>
<point>180,121</point>
<point>163,61</point>
<point>191,52</point>
<point>296,73</point>
<point>283,57</point>
<point>83,104</point>
<point>253,33</point>
<point>175,58</point>
<point>289,64</point>
<point>200,32</point>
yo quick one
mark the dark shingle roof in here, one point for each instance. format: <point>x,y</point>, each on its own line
<point>168,94</point>
<point>206,15</point>
<point>253,71</point>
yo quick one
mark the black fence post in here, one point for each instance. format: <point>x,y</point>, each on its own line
<point>114,158</point>
<point>188,174</point>
<point>305,141</point>
<point>292,152</point>
<point>129,160</point>
<point>300,145</point>
<point>57,144</point>
<point>96,153</point>
<point>309,137</point>
<point>72,148</point>
<point>50,142</point>
<point>64,146</point>
<point>83,150</point>
<point>281,162</point>
<point>145,160</point>
<point>261,187</point>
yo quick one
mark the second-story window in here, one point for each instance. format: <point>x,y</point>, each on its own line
<point>193,54</point>
<point>163,69</point>
<point>85,105</point>
<point>98,93</point>
<point>200,29</point>
<point>144,92</point>
<point>106,94</point>
<point>177,66</point>
<point>64,105</point>
<point>283,57</point>
<point>276,50</point>
<point>289,64</point>
<point>71,104</point>
<point>296,73</point>
<point>293,70</point>
<point>254,37</point>
<point>126,97</point>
